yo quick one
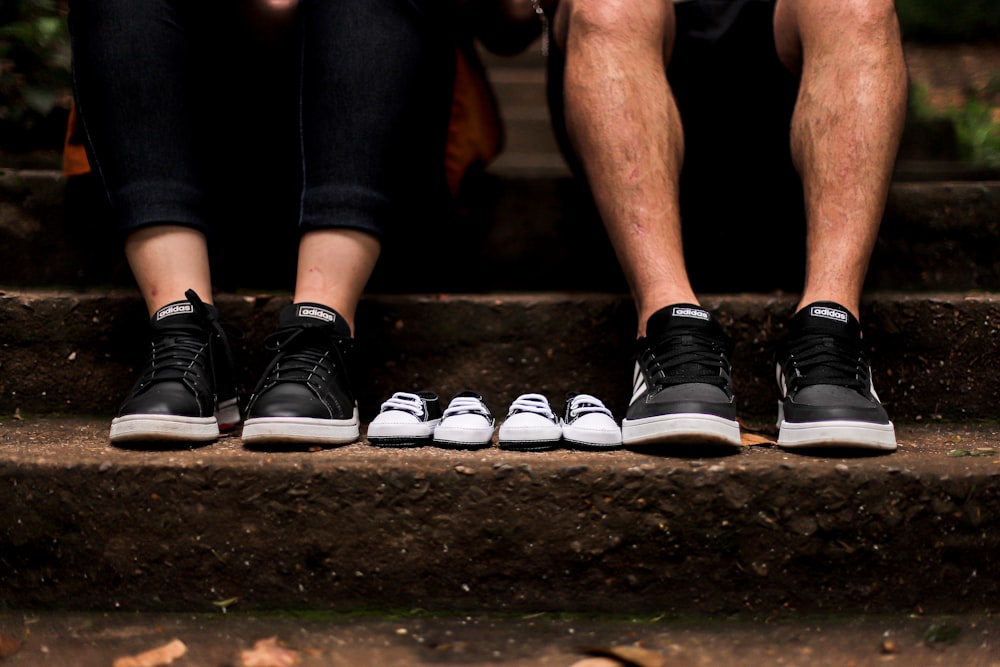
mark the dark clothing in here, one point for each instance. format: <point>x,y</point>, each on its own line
<point>741,201</point>
<point>356,109</point>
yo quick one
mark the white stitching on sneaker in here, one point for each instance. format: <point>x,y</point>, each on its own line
<point>535,403</point>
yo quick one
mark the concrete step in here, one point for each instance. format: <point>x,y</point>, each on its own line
<point>415,637</point>
<point>77,352</point>
<point>84,525</point>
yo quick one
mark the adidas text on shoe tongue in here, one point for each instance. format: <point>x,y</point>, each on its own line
<point>826,316</point>
<point>690,311</point>
<point>830,312</point>
<point>313,315</point>
<point>315,311</point>
<point>175,308</point>
<point>677,316</point>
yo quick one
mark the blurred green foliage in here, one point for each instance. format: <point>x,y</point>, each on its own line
<point>977,130</point>
<point>949,21</point>
<point>34,73</point>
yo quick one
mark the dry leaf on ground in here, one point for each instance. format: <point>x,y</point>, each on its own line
<point>163,655</point>
<point>597,662</point>
<point>267,653</point>
<point>630,656</point>
<point>751,439</point>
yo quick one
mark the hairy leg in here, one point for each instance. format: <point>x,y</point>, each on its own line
<point>168,260</point>
<point>623,123</point>
<point>845,132</point>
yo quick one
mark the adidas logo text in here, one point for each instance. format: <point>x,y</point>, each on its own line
<point>828,313</point>
<point>316,313</point>
<point>691,312</point>
<point>175,309</point>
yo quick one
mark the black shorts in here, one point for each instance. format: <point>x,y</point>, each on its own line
<point>738,184</point>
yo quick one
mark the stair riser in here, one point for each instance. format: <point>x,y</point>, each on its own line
<point>522,234</point>
<point>350,530</point>
<point>933,356</point>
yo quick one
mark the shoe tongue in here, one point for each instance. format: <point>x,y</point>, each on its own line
<point>468,393</point>
<point>178,313</point>
<point>826,317</point>
<point>678,317</point>
<point>313,315</point>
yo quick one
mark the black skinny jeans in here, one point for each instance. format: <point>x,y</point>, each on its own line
<point>373,96</point>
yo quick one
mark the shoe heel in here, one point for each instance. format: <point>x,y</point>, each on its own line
<point>227,413</point>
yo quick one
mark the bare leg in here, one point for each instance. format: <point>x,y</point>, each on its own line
<point>168,260</point>
<point>624,124</point>
<point>845,132</point>
<point>334,266</point>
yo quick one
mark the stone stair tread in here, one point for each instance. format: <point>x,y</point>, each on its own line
<point>415,637</point>
<point>933,447</point>
<point>358,527</point>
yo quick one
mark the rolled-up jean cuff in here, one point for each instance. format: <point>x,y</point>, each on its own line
<point>344,207</point>
<point>160,203</point>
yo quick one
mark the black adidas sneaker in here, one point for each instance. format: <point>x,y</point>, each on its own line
<point>186,391</point>
<point>682,390</point>
<point>827,397</point>
<point>305,394</point>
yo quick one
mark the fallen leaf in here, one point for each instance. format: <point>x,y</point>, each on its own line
<point>750,439</point>
<point>164,655</point>
<point>597,662</point>
<point>9,646</point>
<point>629,656</point>
<point>267,653</point>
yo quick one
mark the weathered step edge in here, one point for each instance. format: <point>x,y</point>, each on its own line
<point>933,354</point>
<point>83,525</point>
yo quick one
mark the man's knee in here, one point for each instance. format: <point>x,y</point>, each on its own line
<point>625,19</point>
<point>870,16</point>
<point>852,17</point>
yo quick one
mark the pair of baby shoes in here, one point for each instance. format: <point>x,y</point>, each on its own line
<point>532,425</point>
<point>415,419</point>
<point>412,419</point>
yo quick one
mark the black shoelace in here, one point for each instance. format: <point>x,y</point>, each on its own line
<point>179,355</point>
<point>687,358</point>
<point>219,329</point>
<point>305,355</point>
<point>813,359</point>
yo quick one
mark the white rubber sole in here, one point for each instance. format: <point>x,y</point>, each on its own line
<point>529,445</point>
<point>593,431</point>
<point>589,438</point>
<point>681,429</point>
<point>530,437</point>
<point>297,430</point>
<point>171,428</point>
<point>461,438</point>
<point>402,432</point>
<point>837,434</point>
